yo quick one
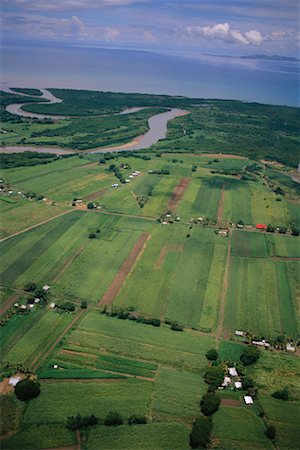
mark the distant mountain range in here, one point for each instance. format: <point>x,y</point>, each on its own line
<point>271,57</point>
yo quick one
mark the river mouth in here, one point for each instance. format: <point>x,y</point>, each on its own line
<point>157,130</point>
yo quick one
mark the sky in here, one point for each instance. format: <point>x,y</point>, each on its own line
<point>187,28</point>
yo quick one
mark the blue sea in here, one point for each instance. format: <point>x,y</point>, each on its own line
<point>203,76</point>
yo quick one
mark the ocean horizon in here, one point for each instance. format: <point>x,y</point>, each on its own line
<point>201,76</point>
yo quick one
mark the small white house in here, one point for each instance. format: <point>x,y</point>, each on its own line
<point>232,371</point>
<point>52,305</point>
<point>46,288</point>
<point>130,176</point>
<point>248,400</point>
<point>239,333</point>
<point>238,385</point>
<point>31,305</point>
<point>37,300</point>
<point>115,185</point>
<point>127,181</point>
<point>262,343</point>
<point>16,305</point>
<point>226,382</point>
<point>13,381</point>
<point>138,172</point>
<point>23,307</point>
<point>55,366</point>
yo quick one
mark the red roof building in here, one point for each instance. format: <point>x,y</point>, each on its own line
<point>261,226</point>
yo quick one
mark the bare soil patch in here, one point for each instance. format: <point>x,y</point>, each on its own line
<point>95,195</point>
<point>124,271</point>
<point>178,194</point>
<point>6,388</point>
<point>230,402</point>
<point>8,303</point>
<point>164,251</point>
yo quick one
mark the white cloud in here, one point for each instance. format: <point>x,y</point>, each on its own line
<point>111,34</point>
<point>224,32</point>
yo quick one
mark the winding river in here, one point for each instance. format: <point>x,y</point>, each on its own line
<point>157,129</point>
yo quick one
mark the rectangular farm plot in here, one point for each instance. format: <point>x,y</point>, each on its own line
<point>265,208</point>
<point>58,400</point>
<point>20,252</point>
<point>248,244</point>
<point>98,334</point>
<point>156,190</point>
<point>162,436</point>
<point>37,339</point>
<point>23,214</point>
<point>237,201</point>
<point>239,427</point>
<point>176,396</point>
<point>201,198</point>
<point>259,298</point>
<point>97,266</point>
<point>175,276</point>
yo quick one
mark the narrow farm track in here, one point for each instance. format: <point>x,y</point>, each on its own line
<point>124,271</point>
<point>130,216</point>
<point>40,358</point>
<point>8,303</point>
<point>36,225</point>
<point>223,296</point>
<point>221,205</point>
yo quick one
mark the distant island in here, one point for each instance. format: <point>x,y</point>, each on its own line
<point>271,57</point>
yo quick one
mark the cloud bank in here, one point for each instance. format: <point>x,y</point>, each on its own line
<point>224,32</point>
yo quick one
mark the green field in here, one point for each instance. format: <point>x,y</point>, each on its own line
<point>138,341</point>
<point>164,436</point>
<point>260,298</point>
<point>181,273</point>
<point>34,343</point>
<point>234,425</point>
<point>177,276</point>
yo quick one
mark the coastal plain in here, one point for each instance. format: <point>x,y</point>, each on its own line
<point>177,243</point>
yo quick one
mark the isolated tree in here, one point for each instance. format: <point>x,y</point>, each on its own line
<point>209,403</point>
<point>282,394</point>
<point>270,432</point>
<point>27,389</point>
<point>212,355</point>
<point>201,431</point>
<point>83,304</point>
<point>90,205</point>
<point>250,355</point>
